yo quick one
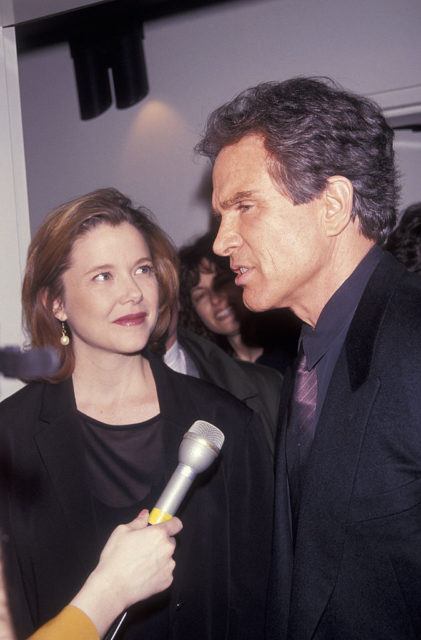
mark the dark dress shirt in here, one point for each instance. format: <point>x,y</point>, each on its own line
<point>323,343</point>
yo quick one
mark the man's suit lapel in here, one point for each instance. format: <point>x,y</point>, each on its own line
<point>334,458</point>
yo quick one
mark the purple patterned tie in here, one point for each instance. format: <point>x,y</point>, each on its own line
<point>300,428</point>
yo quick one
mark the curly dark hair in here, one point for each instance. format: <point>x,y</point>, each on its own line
<point>405,240</point>
<point>191,265</point>
<point>313,130</point>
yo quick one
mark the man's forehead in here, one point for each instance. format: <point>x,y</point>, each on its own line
<point>240,151</point>
<point>232,173</point>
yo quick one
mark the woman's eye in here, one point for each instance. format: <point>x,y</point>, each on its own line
<point>198,298</point>
<point>145,268</point>
<point>101,277</point>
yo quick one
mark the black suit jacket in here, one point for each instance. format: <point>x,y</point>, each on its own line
<point>222,553</point>
<point>356,572</point>
<point>258,386</point>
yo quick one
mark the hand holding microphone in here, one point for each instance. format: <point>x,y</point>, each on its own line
<point>135,563</point>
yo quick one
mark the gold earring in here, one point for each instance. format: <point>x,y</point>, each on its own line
<point>64,340</point>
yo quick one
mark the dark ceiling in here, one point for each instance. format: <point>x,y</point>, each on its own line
<point>65,26</point>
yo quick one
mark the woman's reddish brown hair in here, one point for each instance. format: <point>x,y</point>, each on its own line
<point>49,256</point>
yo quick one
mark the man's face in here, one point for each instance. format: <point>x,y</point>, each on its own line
<point>277,249</point>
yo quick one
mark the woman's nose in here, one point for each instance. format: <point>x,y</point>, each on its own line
<point>133,291</point>
<point>216,295</point>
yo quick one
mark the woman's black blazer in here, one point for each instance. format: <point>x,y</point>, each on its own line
<point>222,554</point>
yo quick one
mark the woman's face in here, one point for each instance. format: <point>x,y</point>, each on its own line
<point>216,306</point>
<point>111,292</point>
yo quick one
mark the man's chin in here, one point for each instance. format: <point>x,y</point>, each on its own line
<point>253,301</point>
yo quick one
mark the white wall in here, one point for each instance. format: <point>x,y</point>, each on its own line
<point>195,62</point>
<point>14,218</point>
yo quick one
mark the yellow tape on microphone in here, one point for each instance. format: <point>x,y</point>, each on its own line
<point>156,516</point>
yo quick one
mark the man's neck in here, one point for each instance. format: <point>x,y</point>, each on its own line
<point>343,261</point>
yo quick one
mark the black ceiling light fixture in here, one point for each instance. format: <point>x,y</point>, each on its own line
<point>107,47</point>
<point>106,43</point>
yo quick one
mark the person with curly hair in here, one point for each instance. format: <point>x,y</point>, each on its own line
<point>405,240</point>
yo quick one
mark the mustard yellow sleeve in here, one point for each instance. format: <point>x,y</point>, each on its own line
<point>70,624</point>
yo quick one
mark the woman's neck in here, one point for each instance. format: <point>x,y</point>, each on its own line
<point>119,390</point>
<point>244,351</point>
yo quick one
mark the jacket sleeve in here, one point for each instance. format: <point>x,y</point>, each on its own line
<point>70,624</point>
<point>251,489</point>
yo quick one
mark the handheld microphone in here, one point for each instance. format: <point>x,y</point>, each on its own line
<point>200,446</point>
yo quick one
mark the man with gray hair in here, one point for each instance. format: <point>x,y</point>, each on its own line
<point>305,190</point>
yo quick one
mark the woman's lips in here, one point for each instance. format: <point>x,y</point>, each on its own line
<point>224,313</point>
<point>131,320</point>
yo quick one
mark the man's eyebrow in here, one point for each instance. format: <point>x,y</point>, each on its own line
<point>238,197</point>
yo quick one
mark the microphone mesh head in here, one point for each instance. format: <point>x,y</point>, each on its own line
<point>208,432</point>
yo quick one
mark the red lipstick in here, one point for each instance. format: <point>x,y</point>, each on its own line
<point>131,320</point>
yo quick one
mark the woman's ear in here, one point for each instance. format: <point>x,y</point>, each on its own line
<point>57,306</point>
<point>338,200</point>
<point>58,310</point>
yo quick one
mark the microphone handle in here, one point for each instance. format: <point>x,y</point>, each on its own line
<point>164,509</point>
<point>173,494</point>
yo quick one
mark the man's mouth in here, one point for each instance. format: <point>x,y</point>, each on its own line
<point>239,270</point>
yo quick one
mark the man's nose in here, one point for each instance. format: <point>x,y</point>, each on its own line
<point>227,239</point>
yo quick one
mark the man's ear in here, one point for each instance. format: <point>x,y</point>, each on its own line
<point>338,202</point>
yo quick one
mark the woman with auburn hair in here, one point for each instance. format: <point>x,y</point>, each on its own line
<point>89,447</point>
<point>49,257</point>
